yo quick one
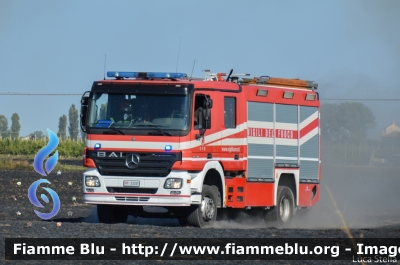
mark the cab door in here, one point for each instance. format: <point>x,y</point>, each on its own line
<point>204,136</point>
<point>232,143</point>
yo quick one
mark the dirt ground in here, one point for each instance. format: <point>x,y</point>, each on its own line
<point>368,199</point>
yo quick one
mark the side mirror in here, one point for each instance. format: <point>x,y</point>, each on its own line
<point>85,101</point>
<point>83,116</point>
<point>208,103</point>
<point>84,108</point>
<point>207,118</point>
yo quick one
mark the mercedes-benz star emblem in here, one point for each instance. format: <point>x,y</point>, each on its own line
<point>132,161</point>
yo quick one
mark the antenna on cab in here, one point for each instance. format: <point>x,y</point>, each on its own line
<point>191,74</point>
<point>177,59</point>
<point>105,59</point>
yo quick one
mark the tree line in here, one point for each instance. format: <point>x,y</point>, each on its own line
<point>73,126</point>
<point>13,131</point>
<point>72,123</point>
<point>344,134</point>
<point>345,122</point>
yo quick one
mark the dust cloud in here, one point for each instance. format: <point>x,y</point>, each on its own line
<point>366,196</point>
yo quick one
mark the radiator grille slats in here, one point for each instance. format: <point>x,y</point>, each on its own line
<point>132,199</point>
<point>151,164</point>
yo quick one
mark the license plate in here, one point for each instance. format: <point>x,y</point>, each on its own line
<point>131,183</point>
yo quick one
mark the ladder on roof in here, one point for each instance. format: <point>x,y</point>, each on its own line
<point>262,80</point>
<point>266,80</point>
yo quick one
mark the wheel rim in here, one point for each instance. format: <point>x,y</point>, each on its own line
<point>284,209</point>
<point>207,208</point>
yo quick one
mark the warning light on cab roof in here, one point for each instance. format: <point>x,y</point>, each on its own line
<point>146,75</point>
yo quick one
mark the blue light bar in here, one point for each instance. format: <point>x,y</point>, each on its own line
<point>97,146</point>
<point>146,75</point>
<point>168,148</point>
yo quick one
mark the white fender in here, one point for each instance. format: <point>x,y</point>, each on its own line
<point>198,179</point>
<point>296,174</point>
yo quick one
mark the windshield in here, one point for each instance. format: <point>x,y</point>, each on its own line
<point>139,111</point>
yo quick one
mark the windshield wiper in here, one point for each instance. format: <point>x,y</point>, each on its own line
<point>115,130</point>
<point>154,127</point>
<point>161,131</point>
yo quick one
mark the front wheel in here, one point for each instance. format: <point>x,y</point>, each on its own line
<point>282,213</point>
<point>206,213</point>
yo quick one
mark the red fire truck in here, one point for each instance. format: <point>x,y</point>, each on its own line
<point>196,147</point>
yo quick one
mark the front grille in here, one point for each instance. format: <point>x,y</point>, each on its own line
<point>151,164</point>
<point>133,190</point>
<point>132,199</point>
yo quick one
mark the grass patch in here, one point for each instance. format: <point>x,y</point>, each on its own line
<point>65,148</point>
<point>11,164</point>
<point>25,162</point>
<point>31,157</point>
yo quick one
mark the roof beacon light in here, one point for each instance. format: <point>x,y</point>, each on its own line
<point>146,75</point>
<point>217,77</point>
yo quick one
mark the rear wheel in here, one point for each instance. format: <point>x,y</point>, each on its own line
<point>282,213</point>
<point>206,213</point>
<point>111,214</point>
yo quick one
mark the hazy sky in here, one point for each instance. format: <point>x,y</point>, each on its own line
<point>350,48</point>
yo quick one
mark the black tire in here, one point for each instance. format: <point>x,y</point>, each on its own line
<point>206,213</point>
<point>111,214</point>
<point>282,214</point>
<point>182,221</point>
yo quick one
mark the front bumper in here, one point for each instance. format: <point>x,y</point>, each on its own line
<point>150,191</point>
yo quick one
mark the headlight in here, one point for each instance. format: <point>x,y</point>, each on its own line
<point>92,181</point>
<point>173,184</point>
